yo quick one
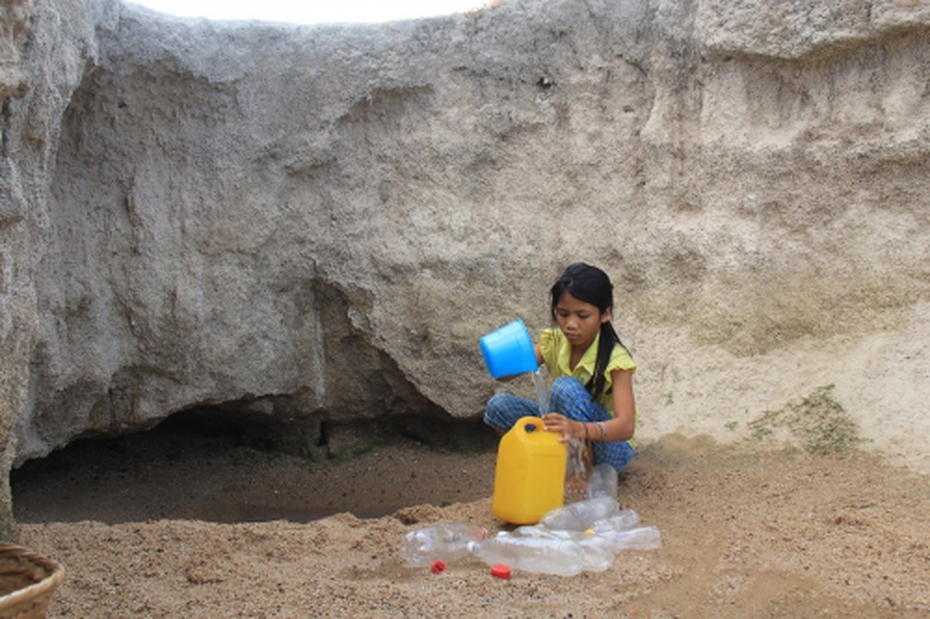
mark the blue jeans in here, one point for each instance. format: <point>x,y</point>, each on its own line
<point>568,397</point>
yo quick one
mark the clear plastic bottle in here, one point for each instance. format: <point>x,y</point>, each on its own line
<point>603,481</point>
<point>599,552</point>
<point>621,521</point>
<point>581,515</point>
<point>563,557</point>
<point>640,538</point>
<point>543,532</point>
<point>598,549</point>
<point>442,542</point>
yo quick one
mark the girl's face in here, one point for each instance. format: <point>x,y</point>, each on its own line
<point>579,321</point>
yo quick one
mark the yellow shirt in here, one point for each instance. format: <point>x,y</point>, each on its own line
<point>556,352</point>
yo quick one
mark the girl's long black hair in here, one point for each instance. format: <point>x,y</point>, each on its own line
<point>591,285</point>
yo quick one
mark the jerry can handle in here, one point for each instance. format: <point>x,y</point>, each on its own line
<point>530,420</point>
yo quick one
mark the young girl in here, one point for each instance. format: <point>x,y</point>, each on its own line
<point>591,396</point>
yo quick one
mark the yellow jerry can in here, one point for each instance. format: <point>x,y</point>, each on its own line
<point>529,477</point>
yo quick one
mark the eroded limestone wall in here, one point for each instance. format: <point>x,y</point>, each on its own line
<point>43,51</point>
<point>329,217</point>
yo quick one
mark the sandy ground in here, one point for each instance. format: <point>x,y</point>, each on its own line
<point>154,527</point>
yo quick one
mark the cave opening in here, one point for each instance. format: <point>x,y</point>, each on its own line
<point>227,464</point>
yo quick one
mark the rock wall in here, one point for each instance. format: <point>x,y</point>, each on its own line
<point>309,222</point>
<point>44,48</point>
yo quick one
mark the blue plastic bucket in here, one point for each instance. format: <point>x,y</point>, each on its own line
<point>509,350</point>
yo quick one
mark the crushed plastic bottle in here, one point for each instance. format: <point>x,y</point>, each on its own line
<point>581,515</point>
<point>640,538</point>
<point>600,549</point>
<point>562,557</point>
<point>603,481</point>
<point>541,549</point>
<point>442,542</point>
<point>621,521</point>
<point>543,532</point>
<point>599,552</point>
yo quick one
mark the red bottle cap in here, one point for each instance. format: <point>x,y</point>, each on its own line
<point>438,567</point>
<point>500,571</point>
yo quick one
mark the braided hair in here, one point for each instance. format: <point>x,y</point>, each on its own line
<point>590,285</point>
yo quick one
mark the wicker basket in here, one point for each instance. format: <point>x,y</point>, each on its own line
<point>27,582</point>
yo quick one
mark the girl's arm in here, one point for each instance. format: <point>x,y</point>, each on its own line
<point>620,428</point>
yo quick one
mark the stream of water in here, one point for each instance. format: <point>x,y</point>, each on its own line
<point>575,466</point>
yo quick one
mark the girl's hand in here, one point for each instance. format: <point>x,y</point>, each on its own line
<point>568,428</point>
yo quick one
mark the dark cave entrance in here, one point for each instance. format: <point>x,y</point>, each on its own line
<point>226,465</point>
